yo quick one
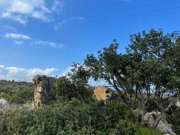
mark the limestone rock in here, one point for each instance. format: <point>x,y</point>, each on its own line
<point>163,126</point>
<point>4,105</point>
<point>177,103</point>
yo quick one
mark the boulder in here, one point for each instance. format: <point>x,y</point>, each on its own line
<point>177,103</point>
<point>163,125</point>
<point>4,105</point>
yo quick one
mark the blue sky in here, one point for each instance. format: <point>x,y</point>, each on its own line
<point>46,37</point>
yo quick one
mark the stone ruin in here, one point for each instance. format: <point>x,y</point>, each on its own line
<point>102,93</point>
<point>44,89</point>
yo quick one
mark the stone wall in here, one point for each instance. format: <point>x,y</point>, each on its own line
<point>44,89</point>
<point>102,93</point>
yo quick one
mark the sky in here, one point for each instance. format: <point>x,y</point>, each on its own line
<point>47,36</point>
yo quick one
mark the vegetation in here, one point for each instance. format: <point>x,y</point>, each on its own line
<point>145,78</point>
<point>66,117</point>
<point>16,92</point>
<point>149,69</point>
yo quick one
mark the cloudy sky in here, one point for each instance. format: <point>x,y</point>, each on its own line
<point>46,36</point>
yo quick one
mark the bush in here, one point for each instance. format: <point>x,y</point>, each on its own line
<point>20,97</point>
<point>69,90</point>
<point>70,118</point>
<point>16,92</point>
<point>146,131</point>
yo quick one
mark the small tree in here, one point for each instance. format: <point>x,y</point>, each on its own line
<point>112,67</point>
<point>64,88</point>
<point>75,85</point>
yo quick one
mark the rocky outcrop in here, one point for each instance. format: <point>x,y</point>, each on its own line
<point>44,89</point>
<point>4,105</point>
<point>177,103</point>
<point>163,125</point>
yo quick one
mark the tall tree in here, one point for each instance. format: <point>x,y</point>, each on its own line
<point>149,69</point>
<point>75,83</point>
<point>158,71</point>
<point>111,66</point>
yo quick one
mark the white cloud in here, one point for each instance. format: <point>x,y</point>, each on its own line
<point>18,42</point>
<point>47,43</point>
<point>18,18</point>
<point>57,6</point>
<point>60,24</point>
<point>9,28</point>
<point>21,10</point>
<point>16,36</point>
<point>22,74</point>
<point>19,39</point>
<point>65,71</point>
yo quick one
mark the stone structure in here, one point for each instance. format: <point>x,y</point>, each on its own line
<point>102,93</point>
<point>44,89</point>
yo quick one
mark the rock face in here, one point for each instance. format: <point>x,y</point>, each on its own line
<point>4,105</point>
<point>163,126</point>
<point>44,89</point>
<point>102,93</point>
<point>178,103</point>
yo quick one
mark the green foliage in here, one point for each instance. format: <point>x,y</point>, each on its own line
<point>111,66</point>
<point>64,88</point>
<point>158,53</point>
<point>69,89</point>
<point>20,97</point>
<point>16,92</point>
<point>146,131</point>
<point>68,118</point>
<point>79,75</point>
<point>12,86</point>
<point>148,69</point>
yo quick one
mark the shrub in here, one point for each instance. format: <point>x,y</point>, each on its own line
<point>20,97</point>
<point>69,90</point>
<point>70,118</point>
<point>146,131</point>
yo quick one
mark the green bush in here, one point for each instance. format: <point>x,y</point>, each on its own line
<point>19,97</point>
<point>16,92</point>
<point>69,90</point>
<point>146,131</point>
<point>72,117</point>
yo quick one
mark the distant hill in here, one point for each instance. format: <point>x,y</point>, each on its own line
<point>12,86</point>
<point>16,92</point>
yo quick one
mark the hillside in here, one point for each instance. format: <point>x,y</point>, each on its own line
<point>16,92</point>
